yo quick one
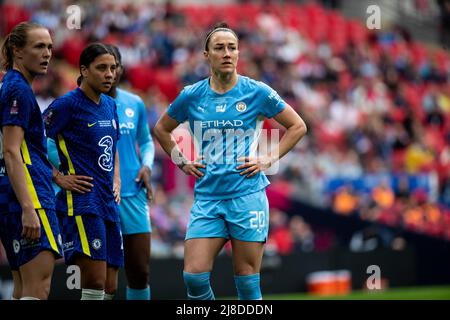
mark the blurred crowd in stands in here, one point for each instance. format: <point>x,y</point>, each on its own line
<point>376,104</point>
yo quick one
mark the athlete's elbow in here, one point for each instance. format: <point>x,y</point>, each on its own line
<point>303,129</point>
<point>157,131</point>
<point>7,155</point>
<point>299,129</point>
<point>10,151</point>
<point>10,154</point>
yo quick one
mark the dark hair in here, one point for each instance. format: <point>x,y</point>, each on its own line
<point>90,53</point>
<point>220,26</point>
<point>17,38</point>
<point>116,52</point>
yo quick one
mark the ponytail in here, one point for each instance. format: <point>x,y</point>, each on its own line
<point>7,54</point>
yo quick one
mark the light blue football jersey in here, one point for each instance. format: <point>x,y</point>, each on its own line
<point>226,127</point>
<point>134,129</point>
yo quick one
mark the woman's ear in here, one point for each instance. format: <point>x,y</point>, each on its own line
<point>18,54</point>
<point>84,71</point>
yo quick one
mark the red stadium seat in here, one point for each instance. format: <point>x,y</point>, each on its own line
<point>167,82</point>
<point>398,160</point>
<point>72,48</point>
<point>357,31</point>
<point>442,58</point>
<point>296,19</point>
<point>418,53</point>
<point>12,15</point>
<point>140,77</point>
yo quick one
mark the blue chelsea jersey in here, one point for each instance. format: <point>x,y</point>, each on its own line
<point>86,136</point>
<point>226,127</point>
<point>18,107</point>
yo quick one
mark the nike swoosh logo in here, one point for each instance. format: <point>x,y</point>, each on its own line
<point>91,124</point>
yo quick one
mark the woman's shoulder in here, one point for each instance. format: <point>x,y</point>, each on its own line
<point>106,99</point>
<point>67,99</point>
<point>250,83</point>
<point>128,96</point>
<point>197,88</point>
<point>16,86</point>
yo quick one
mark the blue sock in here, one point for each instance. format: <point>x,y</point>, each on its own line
<point>138,294</point>
<point>198,286</point>
<point>248,287</point>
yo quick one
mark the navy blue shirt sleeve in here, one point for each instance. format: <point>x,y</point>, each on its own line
<point>271,102</point>
<point>18,108</point>
<point>178,108</point>
<point>56,117</point>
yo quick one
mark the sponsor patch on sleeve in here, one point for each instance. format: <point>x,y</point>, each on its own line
<point>14,107</point>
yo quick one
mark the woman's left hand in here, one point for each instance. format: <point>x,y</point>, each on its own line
<point>253,165</point>
<point>116,189</point>
<point>145,175</point>
<point>74,183</point>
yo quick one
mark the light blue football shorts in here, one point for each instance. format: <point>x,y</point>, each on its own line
<point>243,218</point>
<point>134,214</point>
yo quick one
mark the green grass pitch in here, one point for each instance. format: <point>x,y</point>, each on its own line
<point>407,293</point>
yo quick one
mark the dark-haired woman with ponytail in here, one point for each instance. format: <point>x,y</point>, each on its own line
<point>28,225</point>
<point>85,127</point>
<point>226,113</point>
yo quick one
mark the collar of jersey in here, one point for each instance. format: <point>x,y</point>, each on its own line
<point>85,97</point>
<point>211,91</point>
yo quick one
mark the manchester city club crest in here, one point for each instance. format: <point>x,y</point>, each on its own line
<point>129,112</point>
<point>241,106</point>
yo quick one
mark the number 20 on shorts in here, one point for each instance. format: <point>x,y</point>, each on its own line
<point>257,221</point>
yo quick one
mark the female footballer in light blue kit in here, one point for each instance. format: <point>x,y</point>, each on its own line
<point>136,191</point>
<point>230,200</point>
